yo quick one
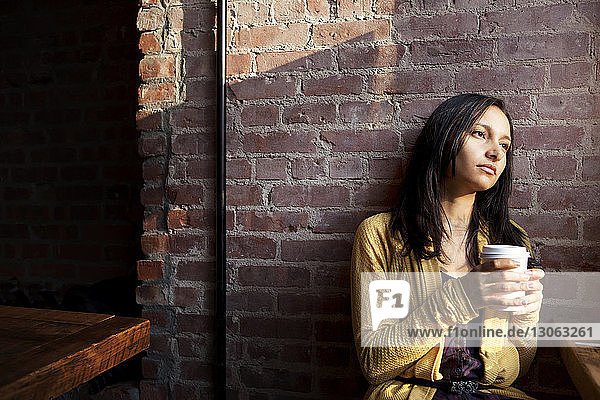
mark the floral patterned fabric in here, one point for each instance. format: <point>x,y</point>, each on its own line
<point>460,361</point>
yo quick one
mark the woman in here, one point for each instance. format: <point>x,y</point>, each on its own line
<point>454,200</point>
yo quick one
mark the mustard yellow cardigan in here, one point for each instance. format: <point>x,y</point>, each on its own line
<point>436,305</point>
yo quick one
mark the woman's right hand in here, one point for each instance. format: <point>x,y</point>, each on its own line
<point>488,282</point>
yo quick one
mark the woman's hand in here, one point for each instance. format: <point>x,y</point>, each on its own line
<point>496,278</point>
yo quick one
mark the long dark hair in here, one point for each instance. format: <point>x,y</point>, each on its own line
<point>417,218</point>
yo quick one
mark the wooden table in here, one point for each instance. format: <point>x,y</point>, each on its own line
<point>45,353</point>
<point>583,364</point>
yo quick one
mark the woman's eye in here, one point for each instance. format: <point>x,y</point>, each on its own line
<point>505,146</point>
<point>479,133</point>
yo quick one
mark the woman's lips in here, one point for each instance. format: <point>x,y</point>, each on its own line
<point>488,169</point>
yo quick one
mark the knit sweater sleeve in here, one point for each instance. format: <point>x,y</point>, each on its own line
<point>442,308</point>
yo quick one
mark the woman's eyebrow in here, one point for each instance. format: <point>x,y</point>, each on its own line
<point>489,128</point>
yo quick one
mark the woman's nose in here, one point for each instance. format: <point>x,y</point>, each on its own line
<point>495,152</point>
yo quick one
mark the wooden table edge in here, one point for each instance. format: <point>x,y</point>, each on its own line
<point>112,340</point>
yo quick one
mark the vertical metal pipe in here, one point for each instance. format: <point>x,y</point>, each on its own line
<point>220,232</point>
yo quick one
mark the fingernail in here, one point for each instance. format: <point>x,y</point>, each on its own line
<point>530,285</point>
<point>529,272</point>
<point>524,302</point>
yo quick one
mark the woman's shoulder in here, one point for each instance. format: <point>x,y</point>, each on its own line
<point>378,222</point>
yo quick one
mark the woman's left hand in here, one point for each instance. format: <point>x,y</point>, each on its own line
<point>532,301</point>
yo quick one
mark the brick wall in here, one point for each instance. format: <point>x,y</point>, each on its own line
<point>69,169</point>
<point>325,98</point>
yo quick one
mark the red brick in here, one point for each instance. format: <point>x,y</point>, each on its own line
<point>378,195</point>
<point>556,167</point>
<point>252,14</point>
<point>451,51</point>
<point>521,168</point>
<point>356,111</point>
<point>273,276</point>
<point>351,32</point>
<point>591,228</point>
<point>251,301</point>
<point>570,75</point>
<point>238,168</point>
<point>150,295</point>
<point>148,120</point>
<point>526,19</point>
<point>318,8</point>
<point>301,60</point>
<point>500,78</point>
<point>154,244</point>
<point>546,47</point>
<point>52,271</point>
<point>339,221</point>
<point>244,195</point>
<point>151,390</point>
<point>347,167</point>
<point>336,84</point>
<point>184,144</point>
<point>201,169</point>
<point>181,243</point>
<point>192,117</point>
<point>308,195</point>
<point>250,247</point>
<point>151,221</point>
<point>569,198</point>
<point>569,258</point>
<point>414,110</point>
<point>361,140</point>
<point>385,168</point>
<point>202,271</point>
<point>263,88</point>
<point>279,142</point>
<point>578,106</point>
<point>196,370</point>
<point>519,107</point>
<point>149,43</point>
<point>521,196</point>
<point>148,270</point>
<point>309,113</point>
<point>281,379</point>
<point>195,346</point>
<point>548,226</point>
<point>238,64</point>
<point>316,250</point>
<point>289,10</point>
<point>271,168</point>
<point>152,170</point>
<point>260,115</point>
<point>371,56</point>
<point>185,194</point>
<point>273,221</point>
<point>308,168</point>
<point>157,67</point>
<point>548,137</point>
<point>431,81</point>
<point>591,11</point>
<point>297,304</point>
<point>591,168</point>
<point>296,353</point>
<point>333,331</point>
<point>292,35</point>
<point>187,296</point>
<point>198,67</point>
<point>177,219</point>
<point>443,25</point>
<point>333,356</point>
<point>201,90</point>
<point>150,368</point>
<point>156,93</point>
<point>152,145</point>
<point>150,19</point>
<point>297,328</point>
<point>195,323</point>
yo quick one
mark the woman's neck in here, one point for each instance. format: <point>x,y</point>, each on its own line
<point>458,209</point>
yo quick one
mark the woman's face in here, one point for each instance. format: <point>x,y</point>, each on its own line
<point>482,158</point>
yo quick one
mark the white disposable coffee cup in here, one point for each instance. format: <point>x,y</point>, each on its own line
<point>517,253</point>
